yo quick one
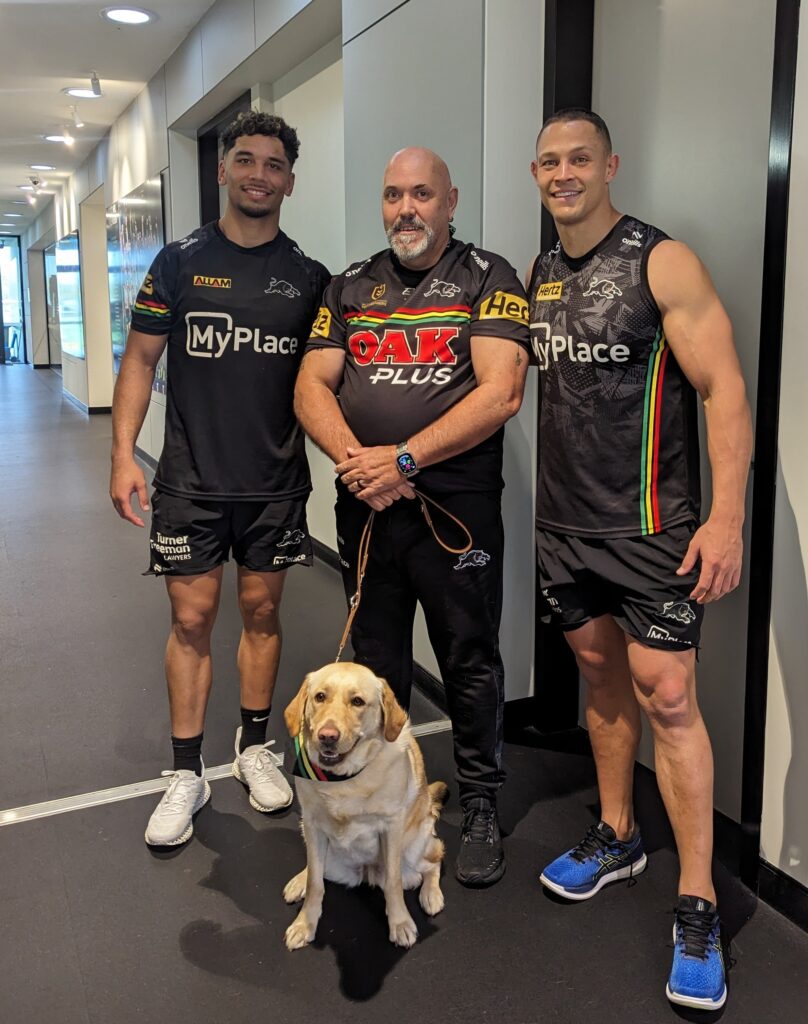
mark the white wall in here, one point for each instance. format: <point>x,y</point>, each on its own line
<point>95,300</point>
<point>314,215</point>
<point>693,137</point>
<point>784,837</point>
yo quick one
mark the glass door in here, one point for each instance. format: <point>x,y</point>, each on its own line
<point>12,331</point>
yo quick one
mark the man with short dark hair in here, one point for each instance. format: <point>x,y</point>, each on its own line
<point>417,360</point>
<point>234,302</point>
<point>626,329</point>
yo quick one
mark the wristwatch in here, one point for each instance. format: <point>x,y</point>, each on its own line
<point>407,465</point>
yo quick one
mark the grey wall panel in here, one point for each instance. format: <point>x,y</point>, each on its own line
<point>184,76</point>
<point>228,38</point>
<point>393,100</point>
<point>357,15</point>
<point>272,15</point>
<point>694,149</point>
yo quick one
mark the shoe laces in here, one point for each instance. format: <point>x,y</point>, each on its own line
<point>178,792</point>
<point>694,928</point>
<point>262,762</point>
<point>593,843</point>
<point>478,823</point>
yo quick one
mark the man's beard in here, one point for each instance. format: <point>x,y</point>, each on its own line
<point>256,212</point>
<point>406,251</point>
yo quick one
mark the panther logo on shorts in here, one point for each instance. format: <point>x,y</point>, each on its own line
<point>678,610</point>
<point>291,537</point>
<point>473,557</point>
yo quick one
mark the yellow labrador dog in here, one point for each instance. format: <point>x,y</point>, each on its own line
<point>368,813</point>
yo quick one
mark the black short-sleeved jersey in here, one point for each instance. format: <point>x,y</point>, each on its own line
<point>406,337</point>
<point>237,321</point>
<point>618,432</point>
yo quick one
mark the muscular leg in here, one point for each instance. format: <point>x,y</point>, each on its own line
<point>665,686</point>
<point>259,650</point>
<point>194,604</point>
<point>612,716</point>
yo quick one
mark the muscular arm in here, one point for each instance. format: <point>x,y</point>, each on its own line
<point>700,336</point>
<point>500,366</point>
<point>319,413</point>
<point>129,405</point>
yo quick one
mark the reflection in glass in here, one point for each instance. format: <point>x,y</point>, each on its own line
<point>63,299</point>
<point>134,237</point>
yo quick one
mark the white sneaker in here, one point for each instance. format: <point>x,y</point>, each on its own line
<point>258,769</point>
<point>172,821</point>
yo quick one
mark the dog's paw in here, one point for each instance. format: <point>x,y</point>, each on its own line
<point>299,933</point>
<point>431,899</point>
<point>295,888</point>
<point>403,932</point>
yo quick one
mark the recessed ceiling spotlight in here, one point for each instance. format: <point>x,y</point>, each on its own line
<point>26,188</point>
<point>41,167</point>
<point>127,15</point>
<point>54,138</point>
<point>81,94</point>
<point>12,215</point>
<point>20,202</point>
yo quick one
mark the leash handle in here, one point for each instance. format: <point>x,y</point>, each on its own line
<point>424,498</point>
<point>363,553</point>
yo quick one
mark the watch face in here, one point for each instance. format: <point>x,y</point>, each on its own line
<point>406,463</point>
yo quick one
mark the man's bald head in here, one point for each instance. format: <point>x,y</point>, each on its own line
<point>418,203</point>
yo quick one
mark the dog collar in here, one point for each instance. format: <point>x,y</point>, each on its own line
<point>297,763</point>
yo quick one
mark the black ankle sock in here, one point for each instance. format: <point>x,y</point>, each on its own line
<point>253,728</point>
<point>188,754</point>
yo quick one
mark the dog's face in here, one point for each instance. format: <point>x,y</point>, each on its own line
<point>340,707</point>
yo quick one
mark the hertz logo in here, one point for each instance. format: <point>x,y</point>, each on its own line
<point>211,282</point>
<point>551,290</point>
<point>322,325</point>
<point>504,306</point>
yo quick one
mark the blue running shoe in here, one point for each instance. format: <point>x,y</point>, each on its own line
<point>697,977</point>
<point>598,859</point>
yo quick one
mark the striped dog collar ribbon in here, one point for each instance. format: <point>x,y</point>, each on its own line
<point>297,763</point>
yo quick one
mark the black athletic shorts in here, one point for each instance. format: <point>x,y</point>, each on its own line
<point>190,537</point>
<point>633,579</point>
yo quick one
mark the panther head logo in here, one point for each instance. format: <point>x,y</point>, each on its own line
<point>473,557</point>
<point>445,289</point>
<point>606,289</point>
<point>678,610</point>
<point>291,537</point>
<point>279,287</point>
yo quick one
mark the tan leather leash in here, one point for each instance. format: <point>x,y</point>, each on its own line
<point>363,553</point>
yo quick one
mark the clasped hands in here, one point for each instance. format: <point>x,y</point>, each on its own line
<point>371,474</point>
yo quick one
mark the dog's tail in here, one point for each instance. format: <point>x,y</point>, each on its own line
<point>438,795</point>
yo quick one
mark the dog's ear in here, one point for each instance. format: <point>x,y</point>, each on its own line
<point>393,714</point>
<point>293,715</point>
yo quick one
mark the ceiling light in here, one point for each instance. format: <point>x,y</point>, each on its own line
<point>95,85</point>
<point>40,167</point>
<point>77,121</point>
<point>54,138</point>
<point>26,188</point>
<point>32,200</point>
<point>8,225</point>
<point>128,15</point>
<point>83,94</point>
<point>12,215</point>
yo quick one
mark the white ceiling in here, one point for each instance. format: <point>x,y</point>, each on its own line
<point>46,46</point>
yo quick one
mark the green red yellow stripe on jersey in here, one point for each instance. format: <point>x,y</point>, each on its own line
<point>152,308</point>
<point>650,520</point>
<point>433,314</point>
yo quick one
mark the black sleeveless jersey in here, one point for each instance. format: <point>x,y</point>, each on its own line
<point>237,321</point>
<point>618,435</point>
<point>407,341</point>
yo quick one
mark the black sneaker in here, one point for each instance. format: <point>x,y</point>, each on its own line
<point>481,860</point>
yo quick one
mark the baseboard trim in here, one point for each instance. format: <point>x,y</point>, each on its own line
<point>95,410</point>
<point>326,554</point>
<point>785,894</point>
<point>145,457</point>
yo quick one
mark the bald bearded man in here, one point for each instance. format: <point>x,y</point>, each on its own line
<point>417,359</point>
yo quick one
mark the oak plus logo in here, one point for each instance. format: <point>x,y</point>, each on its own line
<point>550,348</point>
<point>208,335</point>
<point>445,289</point>
<point>429,357</point>
<point>605,289</point>
<point>279,287</point>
